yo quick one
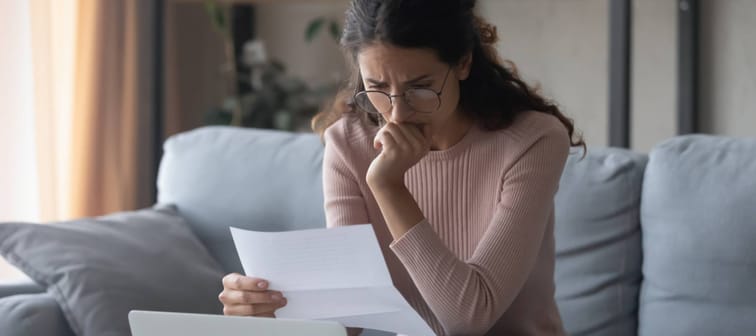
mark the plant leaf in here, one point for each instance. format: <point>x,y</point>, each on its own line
<point>335,30</point>
<point>313,28</point>
<point>216,15</point>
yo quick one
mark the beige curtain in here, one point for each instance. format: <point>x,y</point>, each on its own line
<point>113,117</point>
<point>53,38</point>
<point>35,142</point>
<point>77,137</point>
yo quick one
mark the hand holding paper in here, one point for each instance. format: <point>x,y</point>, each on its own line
<point>330,274</point>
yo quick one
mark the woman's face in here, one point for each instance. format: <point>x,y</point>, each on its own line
<point>394,70</point>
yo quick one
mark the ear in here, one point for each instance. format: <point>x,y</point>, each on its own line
<point>463,68</point>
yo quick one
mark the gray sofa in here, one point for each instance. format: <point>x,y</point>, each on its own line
<point>646,245</point>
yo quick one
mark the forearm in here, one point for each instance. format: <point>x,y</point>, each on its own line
<point>398,206</point>
<point>466,297</point>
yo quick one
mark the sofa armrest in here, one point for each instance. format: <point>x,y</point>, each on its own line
<point>25,286</point>
<point>32,314</point>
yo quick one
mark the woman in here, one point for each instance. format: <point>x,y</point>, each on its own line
<point>453,159</point>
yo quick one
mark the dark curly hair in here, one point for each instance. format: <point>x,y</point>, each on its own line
<point>493,94</point>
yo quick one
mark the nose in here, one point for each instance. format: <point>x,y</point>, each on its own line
<point>400,110</point>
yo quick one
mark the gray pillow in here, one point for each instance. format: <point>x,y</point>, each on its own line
<point>598,242</point>
<point>98,269</point>
<point>699,227</point>
<point>221,176</point>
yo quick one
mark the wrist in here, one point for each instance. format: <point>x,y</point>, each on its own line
<point>378,185</point>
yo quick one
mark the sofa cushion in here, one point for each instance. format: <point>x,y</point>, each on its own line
<point>252,179</point>
<point>598,242</point>
<point>699,225</point>
<point>98,269</point>
<point>32,314</point>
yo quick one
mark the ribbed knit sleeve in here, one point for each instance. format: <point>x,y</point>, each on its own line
<point>469,296</point>
<point>344,203</point>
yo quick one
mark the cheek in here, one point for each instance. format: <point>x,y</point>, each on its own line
<point>382,120</point>
<point>450,100</point>
<point>385,116</point>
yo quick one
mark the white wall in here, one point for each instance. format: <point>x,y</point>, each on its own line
<point>654,76</point>
<point>561,44</point>
<point>728,67</point>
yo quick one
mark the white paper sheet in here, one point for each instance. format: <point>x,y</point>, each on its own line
<point>330,274</point>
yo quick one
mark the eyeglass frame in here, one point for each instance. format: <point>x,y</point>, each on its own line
<point>404,94</point>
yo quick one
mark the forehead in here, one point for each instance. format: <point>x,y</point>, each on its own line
<point>385,60</point>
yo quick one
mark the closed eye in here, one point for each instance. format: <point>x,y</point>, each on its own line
<point>371,84</point>
<point>421,86</point>
<point>383,87</point>
<point>418,82</point>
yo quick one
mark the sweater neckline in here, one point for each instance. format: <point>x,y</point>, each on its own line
<point>456,149</point>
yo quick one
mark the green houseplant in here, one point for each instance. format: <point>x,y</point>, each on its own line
<point>277,99</point>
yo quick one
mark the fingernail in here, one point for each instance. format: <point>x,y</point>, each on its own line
<point>262,284</point>
<point>276,297</point>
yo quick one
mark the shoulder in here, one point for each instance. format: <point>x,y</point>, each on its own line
<point>530,131</point>
<point>350,138</point>
<point>531,127</point>
<point>534,125</point>
<point>349,129</point>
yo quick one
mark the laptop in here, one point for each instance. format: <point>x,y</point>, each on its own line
<point>149,323</point>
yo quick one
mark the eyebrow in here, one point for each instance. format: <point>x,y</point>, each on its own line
<point>417,79</point>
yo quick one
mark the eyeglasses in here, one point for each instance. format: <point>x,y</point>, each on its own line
<point>419,99</point>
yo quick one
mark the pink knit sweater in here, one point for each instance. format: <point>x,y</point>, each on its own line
<point>482,262</point>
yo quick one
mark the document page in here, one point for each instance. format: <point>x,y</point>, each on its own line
<point>336,274</point>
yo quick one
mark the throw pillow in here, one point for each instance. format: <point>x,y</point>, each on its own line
<point>99,269</point>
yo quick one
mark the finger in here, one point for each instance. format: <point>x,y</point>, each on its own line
<point>417,139</point>
<point>398,134</point>
<point>233,297</point>
<point>238,310</point>
<point>388,142</point>
<point>406,134</point>
<point>424,129</point>
<point>241,282</point>
<point>267,309</point>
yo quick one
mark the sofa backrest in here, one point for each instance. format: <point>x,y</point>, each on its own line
<point>598,242</point>
<point>261,180</point>
<point>699,227</point>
